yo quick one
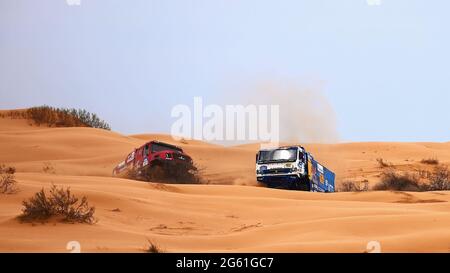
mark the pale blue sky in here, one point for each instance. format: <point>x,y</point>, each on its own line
<point>384,69</point>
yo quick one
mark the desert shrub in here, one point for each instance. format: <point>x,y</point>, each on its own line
<point>64,117</point>
<point>153,248</point>
<point>59,203</point>
<point>383,164</point>
<point>393,181</point>
<point>352,186</point>
<point>87,118</point>
<point>430,161</point>
<point>439,179</point>
<point>423,174</point>
<point>8,184</point>
<point>13,114</point>
<point>48,168</point>
<point>38,207</point>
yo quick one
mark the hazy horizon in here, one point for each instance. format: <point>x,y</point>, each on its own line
<point>381,71</point>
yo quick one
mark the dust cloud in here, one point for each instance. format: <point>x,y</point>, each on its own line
<point>306,115</point>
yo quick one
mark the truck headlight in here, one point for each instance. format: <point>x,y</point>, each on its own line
<point>261,169</point>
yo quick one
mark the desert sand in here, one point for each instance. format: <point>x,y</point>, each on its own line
<point>231,213</point>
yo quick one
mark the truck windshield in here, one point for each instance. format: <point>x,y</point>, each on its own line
<point>278,155</point>
<point>161,147</point>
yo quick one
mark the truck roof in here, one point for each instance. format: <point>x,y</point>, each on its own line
<point>284,147</point>
<point>164,143</point>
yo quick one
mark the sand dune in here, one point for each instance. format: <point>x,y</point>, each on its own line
<point>216,218</point>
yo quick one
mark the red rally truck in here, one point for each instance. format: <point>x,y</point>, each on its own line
<point>155,157</point>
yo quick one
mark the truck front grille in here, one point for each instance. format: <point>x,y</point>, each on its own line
<point>277,171</point>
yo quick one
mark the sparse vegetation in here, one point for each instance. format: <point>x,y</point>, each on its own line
<point>11,114</point>
<point>60,117</point>
<point>383,164</point>
<point>439,179</point>
<point>352,186</point>
<point>60,203</point>
<point>153,248</point>
<point>48,168</point>
<point>420,180</point>
<point>8,184</point>
<point>393,181</point>
<point>430,161</point>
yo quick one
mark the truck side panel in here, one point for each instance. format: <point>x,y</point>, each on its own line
<point>321,179</point>
<point>329,180</point>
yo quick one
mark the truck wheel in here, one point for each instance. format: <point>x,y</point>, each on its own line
<point>293,186</point>
<point>156,172</point>
<point>303,186</point>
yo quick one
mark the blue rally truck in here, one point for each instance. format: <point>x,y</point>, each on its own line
<point>293,168</point>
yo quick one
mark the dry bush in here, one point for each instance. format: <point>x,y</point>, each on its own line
<point>439,179</point>
<point>64,117</point>
<point>352,186</point>
<point>423,174</point>
<point>13,114</point>
<point>60,203</point>
<point>430,161</point>
<point>383,164</point>
<point>420,180</point>
<point>153,248</point>
<point>48,168</point>
<point>8,184</point>
<point>393,181</point>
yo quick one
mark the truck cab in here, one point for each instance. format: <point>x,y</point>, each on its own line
<point>293,167</point>
<point>151,154</point>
